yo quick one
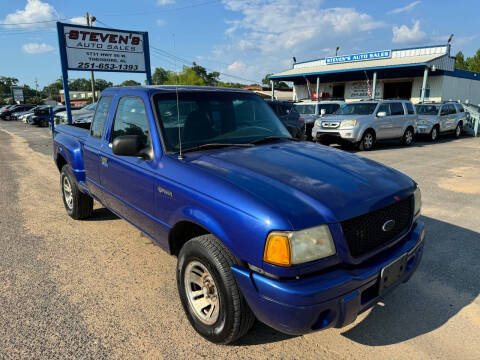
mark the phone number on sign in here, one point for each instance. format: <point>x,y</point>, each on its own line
<point>101,66</point>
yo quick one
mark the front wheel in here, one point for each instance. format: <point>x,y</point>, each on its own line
<point>458,130</point>
<point>77,204</point>
<point>434,134</point>
<point>368,141</point>
<point>209,293</point>
<point>407,138</point>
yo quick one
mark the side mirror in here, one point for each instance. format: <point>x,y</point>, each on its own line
<point>323,112</point>
<point>381,114</point>
<point>128,145</point>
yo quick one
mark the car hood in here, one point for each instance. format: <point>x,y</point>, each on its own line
<point>427,117</point>
<point>307,183</point>
<point>74,113</point>
<point>347,117</point>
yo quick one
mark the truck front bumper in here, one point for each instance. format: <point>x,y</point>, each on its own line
<point>331,299</point>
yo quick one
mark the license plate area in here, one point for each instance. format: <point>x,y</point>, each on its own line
<point>392,273</point>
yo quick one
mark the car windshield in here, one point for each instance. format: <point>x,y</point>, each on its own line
<point>91,106</point>
<point>329,108</point>
<point>305,109</point>
<point>427,109</point>
<point>213,117</point>
<point>357,109</point>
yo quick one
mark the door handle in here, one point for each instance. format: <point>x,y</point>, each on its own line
<point>104,160</point>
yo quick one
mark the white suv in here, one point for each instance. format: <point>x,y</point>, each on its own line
<point>364,122</point>
<point>435,118</point>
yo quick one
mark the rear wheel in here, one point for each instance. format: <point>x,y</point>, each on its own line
<point>209,293</point>
<point>77,204</point>
<point>407,138</point>
<point>368,141</point>
<point>434,133</point>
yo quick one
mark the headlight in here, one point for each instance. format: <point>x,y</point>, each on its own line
<point>418,200</point>
<point>297,247</point>
<point>348,123</point>
<point>317,123</point>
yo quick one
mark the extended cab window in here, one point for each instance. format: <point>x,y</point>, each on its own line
<point>100,117</point>
<point>397,109</point>
<point>131,119</point>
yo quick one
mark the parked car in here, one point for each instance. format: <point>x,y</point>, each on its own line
<point>363,123</point>
<point>10,111</point>
<point>77,115</point>
<point>435,119</point>
<point>312,110</point>
<point>41,115</point>
<point>20,114</point>
<point>302,237</point>
<point>289,117</point>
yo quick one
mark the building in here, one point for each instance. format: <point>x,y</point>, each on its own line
<point>420,74</point>
<point>78,97</point>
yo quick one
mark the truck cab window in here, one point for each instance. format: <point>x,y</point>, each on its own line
<point>100,117</point>
<point>131,119</point>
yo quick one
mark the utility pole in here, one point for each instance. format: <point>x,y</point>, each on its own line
<point>36,87</point>
<point>90,20</point>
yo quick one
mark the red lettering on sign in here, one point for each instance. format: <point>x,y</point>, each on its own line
<point>73,35</point>
<point>84,34</point>
<point>93,37</point>
<point>135,40</point>
<point>112,39</point>
<point>104,37</point>
<point>122,39</point>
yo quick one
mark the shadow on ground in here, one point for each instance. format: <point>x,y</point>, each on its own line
<point>446,281</point>
<point>102,214</point>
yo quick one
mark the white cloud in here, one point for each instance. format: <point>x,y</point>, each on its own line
<point>236,66</point>
<point>79,20</point>
<point>266,34</point>
<point>165,2</point>
<point>160,22</point>
<point>37,48</point>
<point>405,9</point>
<point>406,35</point>
<point>36,12</point>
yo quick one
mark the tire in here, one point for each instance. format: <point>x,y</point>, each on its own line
<point>407,138</point>
<point>434,134</point>
<point>368,141</point>
<point>230,318</point>
<point>458,130</point>
<point>77,204</point>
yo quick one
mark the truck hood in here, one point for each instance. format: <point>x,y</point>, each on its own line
<point>305,182</point>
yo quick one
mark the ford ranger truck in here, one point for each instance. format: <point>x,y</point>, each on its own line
<point>300,236</point>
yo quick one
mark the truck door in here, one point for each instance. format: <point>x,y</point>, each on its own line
<point>91,149</point>
<point>129,181</point>
<point>383,125</point>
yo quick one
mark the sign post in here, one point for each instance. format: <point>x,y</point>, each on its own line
<point>84,48</point>
<point>18,94</point>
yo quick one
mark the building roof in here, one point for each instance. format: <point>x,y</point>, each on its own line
<point>438,55</point>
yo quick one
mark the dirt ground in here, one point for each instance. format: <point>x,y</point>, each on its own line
<point>99,289</point>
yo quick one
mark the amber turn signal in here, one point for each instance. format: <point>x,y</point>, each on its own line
<point>277,249</point>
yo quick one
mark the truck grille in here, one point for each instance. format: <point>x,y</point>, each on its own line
<point>364,233</point>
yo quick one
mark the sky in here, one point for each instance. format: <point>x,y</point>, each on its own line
<point>242,39</point>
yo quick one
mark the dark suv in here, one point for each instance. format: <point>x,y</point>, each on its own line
<point>7,114</point>
<point>289,117</point>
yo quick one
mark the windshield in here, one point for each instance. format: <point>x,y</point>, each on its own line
<point>91,106</point>
<point>329,108</point>
<point>427,109</point>
<point>215,117</point>
<point>357,109</point>
<point>305,109</point>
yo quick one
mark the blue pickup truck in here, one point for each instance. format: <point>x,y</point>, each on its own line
<point>300,236</point>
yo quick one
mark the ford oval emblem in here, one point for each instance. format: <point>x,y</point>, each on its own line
<point>388,226</point>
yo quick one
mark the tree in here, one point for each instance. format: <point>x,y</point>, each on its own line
<point>160,76</point>
<point>460,63</point>
<point>266,80</point>
<point>52,90</point>
<point>470,63</point>
<point>80,85</point>
<point>130,83</point>
<point>101,84</point>
<point>282,84</point>
<point>6,84</point>
<point>210,79</point>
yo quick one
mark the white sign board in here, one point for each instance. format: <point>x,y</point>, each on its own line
<point>90,48</point>
<point>359,90</point>
<point>18,94</point>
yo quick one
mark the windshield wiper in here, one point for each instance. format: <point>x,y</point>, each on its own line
<point>214,146</point>
<point>269,139</point>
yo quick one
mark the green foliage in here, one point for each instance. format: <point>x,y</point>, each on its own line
<point>36,100</point>
<point>3,101</point>
<point>51,91</point>
<point>80,85</point>
<point>266,80</point>
<point>470,63</point>
<point>101,84</point>
<point>6,84</point>
<point>160,76</point>
<point>130,83</point>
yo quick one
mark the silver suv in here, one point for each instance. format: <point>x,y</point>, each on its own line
<point>435,118</point>
<point>364,122</point>
<point>311,110</point>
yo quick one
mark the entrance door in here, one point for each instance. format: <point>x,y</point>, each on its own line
<point>397,90</point>
<point>338,91</point>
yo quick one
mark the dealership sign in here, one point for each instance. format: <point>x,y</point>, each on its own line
<point>84,48</point>
<point>372,55</point>
<point>18,94</point>
<point>89,48</point>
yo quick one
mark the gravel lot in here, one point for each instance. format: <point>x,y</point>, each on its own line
<point>99,289</point>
